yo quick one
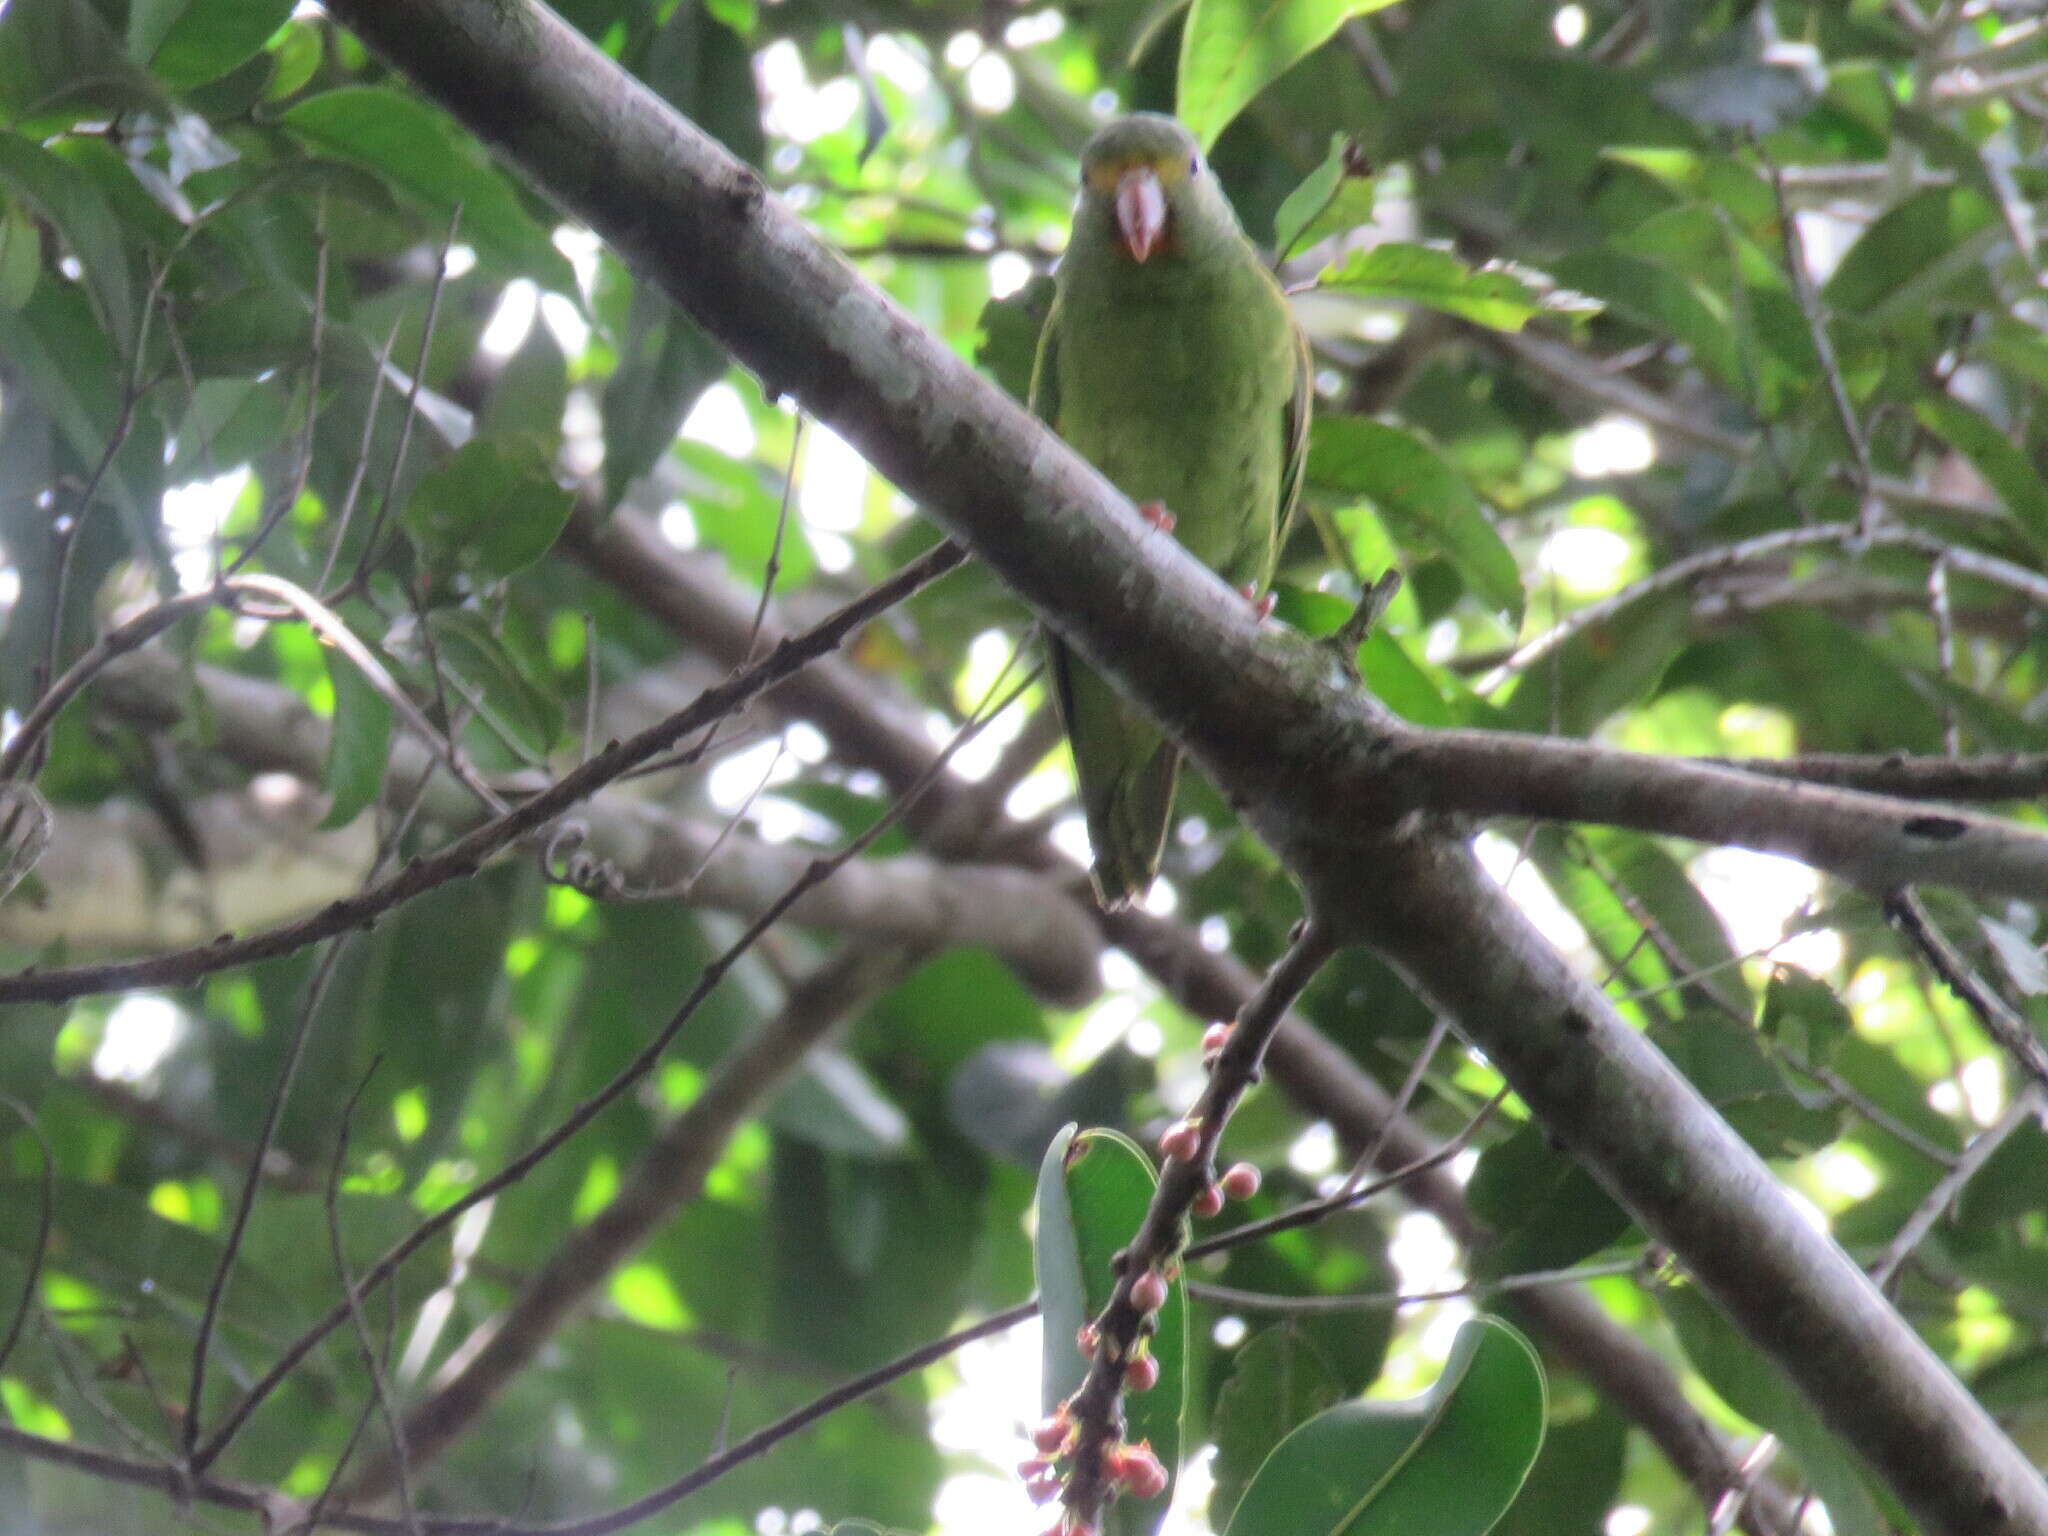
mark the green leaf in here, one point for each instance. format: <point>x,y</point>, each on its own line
<point>491,508</point>
<point>1008,349</point>
<point>515,707</point>
<point>1755,1388</point>
<point>21,258</point>
<point>1233,49</point>
<point>1447,1463</point>
<point>1400,684</point>
<point>1424,501</point>
<point>2011,473</point>
<point>420,151</point>
<point>188,42</point>
<point>1912,253</point>
<point>1093,1191</point>
<point>358,741</point>
<point>1801,1014</point>
<point>1544,1210</point>
<point>1277,1382</point>
<point>1337,195</point>
<point>64,195</point>
<point>1422,274</point>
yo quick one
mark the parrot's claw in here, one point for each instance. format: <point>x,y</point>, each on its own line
<point>1262,607</point>
<point>1158,514</point>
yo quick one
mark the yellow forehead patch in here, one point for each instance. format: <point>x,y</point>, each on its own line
<point>1171,170</point>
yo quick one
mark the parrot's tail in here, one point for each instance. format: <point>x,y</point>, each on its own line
<point>1127,828</point>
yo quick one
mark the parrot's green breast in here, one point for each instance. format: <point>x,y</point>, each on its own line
<point>1177,391</point>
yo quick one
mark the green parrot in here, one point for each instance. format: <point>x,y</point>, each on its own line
<point>1170,360</point>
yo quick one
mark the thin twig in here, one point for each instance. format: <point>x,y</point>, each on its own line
<point>2001,1023</point>
<point>466,854</point>
<point>45,1217</point>
<point>2025,1106</point>
<point>644,1062</point>
<point>1096,1410</point>
<point>1377,1301</point>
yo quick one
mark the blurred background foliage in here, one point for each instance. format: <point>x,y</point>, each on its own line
<point>1630,280</point>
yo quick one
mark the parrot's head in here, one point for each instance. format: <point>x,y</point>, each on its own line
<point>1147,192</point>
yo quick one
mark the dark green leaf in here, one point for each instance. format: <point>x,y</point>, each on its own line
<point>1423,500</point>
<point>358,741</point>
<point>1447,1463</point>
<point>188,42</point>
<point>491,508</point>
<point>1277,1382</point>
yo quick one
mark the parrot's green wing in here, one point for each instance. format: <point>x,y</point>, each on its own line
<point>1124,766</point>
<point>1294,427</point>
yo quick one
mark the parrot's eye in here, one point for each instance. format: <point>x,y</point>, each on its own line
<point>1195,164</point>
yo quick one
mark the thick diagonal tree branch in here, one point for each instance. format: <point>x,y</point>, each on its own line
<point>1274,722</point>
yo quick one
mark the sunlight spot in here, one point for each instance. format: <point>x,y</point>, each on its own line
<point>1613,445</point>
<point>1314,1151</point>
<point>733,780</point>
<point>832,482</point>
<point>1568,26</point>
<point>1528,890</point>
<point>1069,834</point>
<point>572,331</point>
<point>1984,1088</point>
<point>580,247</point>
<point>1423,1254</point>
<point>140,1032</point>
<point>1007,272</point>
<point>1144,1038</point>
<point>1038,27</point>
<point>511,321</point>
<point>984,1504</point>
<point>459,262</point>
<point>1229,1332</point>
<point>962,49</point>
<point>1214,934</point>
<point>1587,562</point>
<point>719,420</point>
<point>991,84</point>
<point>1757,894</point>
<point>1628,1520</point>
<point>895,63</point>
<point>1039,791</point>
<point>678,526</point>
<point>1843,1174</point>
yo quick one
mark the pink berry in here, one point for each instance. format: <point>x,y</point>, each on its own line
<point>1209,1201</point>
<point>1050,1435</point>
<point>1043,1488</point>
<point>1089,1339</point>
<point>1214,1038</point>
<point>1142,1374</point>
<point>1241,1182</point>
<point>1183,1140</point>
<point>1138,1469</point>
<point>1148,1291</point>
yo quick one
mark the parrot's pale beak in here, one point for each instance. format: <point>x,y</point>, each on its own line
<point>1141,211</point>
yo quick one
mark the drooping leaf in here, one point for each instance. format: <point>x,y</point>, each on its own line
<point>1233,49</point>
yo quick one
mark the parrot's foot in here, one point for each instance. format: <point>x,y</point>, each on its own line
<point>1158,514</point>
<point>1262,607</point>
